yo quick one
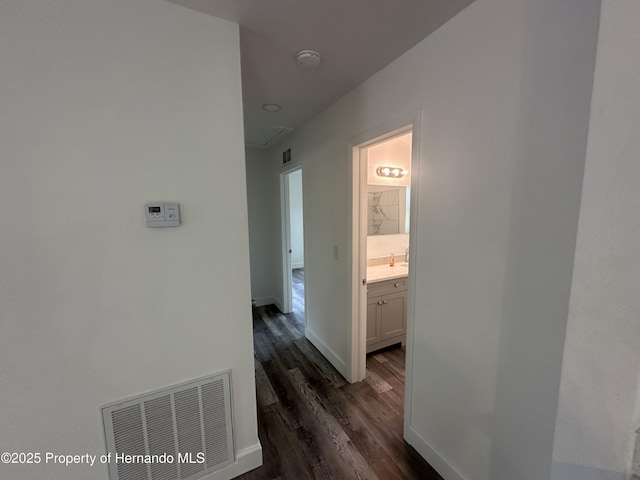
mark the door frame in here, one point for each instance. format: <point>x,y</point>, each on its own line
<point>285,215</point>
<point>358,222</point>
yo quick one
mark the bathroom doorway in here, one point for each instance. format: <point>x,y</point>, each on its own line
<point>383,199</point>
<point>293,246</point>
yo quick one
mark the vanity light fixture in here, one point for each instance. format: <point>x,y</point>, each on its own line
<point>391,172</point>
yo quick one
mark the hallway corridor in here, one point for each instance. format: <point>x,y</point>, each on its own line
<point>314,425</point>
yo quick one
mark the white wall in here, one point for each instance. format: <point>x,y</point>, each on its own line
<point>296,219</point>
<point>263,196</point>
<point>395,152</point>
<point>384,245</point>
<point>504,89</point>
<point>106,105</point>
<point>599,407</point>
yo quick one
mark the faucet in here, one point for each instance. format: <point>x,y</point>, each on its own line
<point>406,254</point>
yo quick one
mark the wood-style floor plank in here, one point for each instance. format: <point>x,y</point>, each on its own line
<point>322,364</point>
<point>264,390</point>
<point>359,468</point>
<point>312,423</point>
<point>379,358</point>
<point>376,381</point>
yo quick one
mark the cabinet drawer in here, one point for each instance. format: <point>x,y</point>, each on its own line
<point>387,286</point>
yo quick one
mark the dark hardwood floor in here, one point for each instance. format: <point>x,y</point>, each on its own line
<point>297,298</point>
<point>313,424</point>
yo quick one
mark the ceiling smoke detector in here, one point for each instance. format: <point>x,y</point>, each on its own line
<point>308,58</point>
<point>271,107</point>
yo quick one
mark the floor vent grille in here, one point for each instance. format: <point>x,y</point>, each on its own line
<point>179,433</point>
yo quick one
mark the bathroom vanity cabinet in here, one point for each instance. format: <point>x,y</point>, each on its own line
<point>386,313</point>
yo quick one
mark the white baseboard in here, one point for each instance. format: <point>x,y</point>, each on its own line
<point>328,353</point>
<point>566,470</point>
<point>246,460</point>
<point>297,265</point>
<point>433,456</point>
<point>278,304</point>
<point>262,301</point>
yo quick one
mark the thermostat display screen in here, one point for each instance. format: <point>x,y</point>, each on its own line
<point>154,209</point>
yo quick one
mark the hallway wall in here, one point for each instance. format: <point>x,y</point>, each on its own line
<point>263,199</point>
<point>504,89</point>
<point>599,409</point>
<point>106,105</point>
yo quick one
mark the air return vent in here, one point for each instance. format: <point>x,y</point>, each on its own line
<point>178,433</point>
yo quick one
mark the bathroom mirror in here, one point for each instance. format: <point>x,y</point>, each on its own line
<point>387,210</point>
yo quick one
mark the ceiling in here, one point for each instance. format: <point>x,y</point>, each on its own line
<point>355,39</point>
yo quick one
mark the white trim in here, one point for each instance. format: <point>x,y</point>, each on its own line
<point>285,224</point>
<point>328,353</point>
<point>353,271</point>
<point>297,265</point>
<point>285,241</point>
<point>262,301</point>
<point>357,272</point>
<point>278,304</point>
<point>446,468</point>
<point>357,332</point>
<point>305,246</point>
<point>413,262</point>
<point>247,459</point>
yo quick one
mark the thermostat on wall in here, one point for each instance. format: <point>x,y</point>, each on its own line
<point>161,214</point>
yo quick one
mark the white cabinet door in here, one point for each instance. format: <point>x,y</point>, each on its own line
<point>373,320</point>
<point>393,315</point>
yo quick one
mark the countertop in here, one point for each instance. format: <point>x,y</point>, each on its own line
<point>379,273</point>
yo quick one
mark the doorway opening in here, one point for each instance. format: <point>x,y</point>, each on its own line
<point>384,196</point>
<point>293,246</point>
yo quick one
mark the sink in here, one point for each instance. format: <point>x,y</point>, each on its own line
<point>385,272</point>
